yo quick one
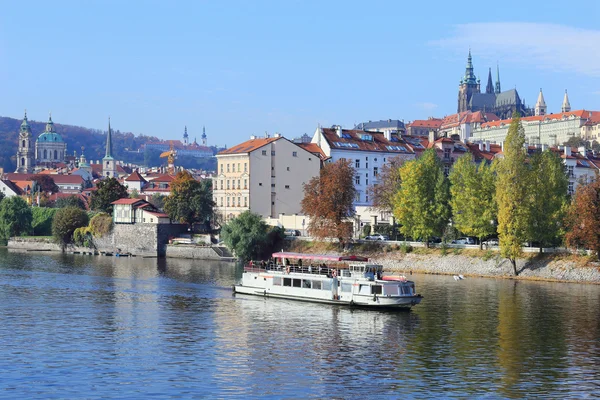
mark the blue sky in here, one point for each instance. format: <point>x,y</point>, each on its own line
<point>244,68</point>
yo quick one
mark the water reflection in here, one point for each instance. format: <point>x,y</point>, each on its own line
<point>84,326</point>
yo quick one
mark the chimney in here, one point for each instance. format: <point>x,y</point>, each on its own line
<point>387,134</point>
<point>581,150</point>
<point>502,144</point>
<point>567,150</point>
<point>277,134</point>
<point>431,136</point>
<point>252,137</point>
<point>338,130</point>
<point>481,145</point>
<point>488,148</point>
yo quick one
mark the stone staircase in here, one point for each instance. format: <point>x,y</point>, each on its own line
<point>222,251</point>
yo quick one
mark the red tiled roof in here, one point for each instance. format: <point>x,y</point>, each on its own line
<point>164,178</point>
<point>315,149</point>
<point>249,145</point>
<point>12,186</point>
<point>378,142</point>
<point>557,116</point>
<point>126,201</point>
<point>135,177</point>
<point>427,123</point>
<point>157,214</point>
<point>58,179</point>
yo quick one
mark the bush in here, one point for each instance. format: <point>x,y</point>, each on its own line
<point>42,220</point>
<point>65,221</point>
<point>15,218</point>
<point>101,224</point>
<point>83,237</point>
<point>366,230</point>
<point>406,248</point>
<point>444,249</point>
<point>488,255</point>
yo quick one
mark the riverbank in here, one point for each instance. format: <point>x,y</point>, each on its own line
<point>556,267</point>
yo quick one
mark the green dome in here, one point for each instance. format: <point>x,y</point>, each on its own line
<point>50,137</point>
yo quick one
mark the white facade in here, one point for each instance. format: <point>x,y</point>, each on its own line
<point>265,176</point>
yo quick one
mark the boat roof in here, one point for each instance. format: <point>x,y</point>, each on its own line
<point>318,257</point>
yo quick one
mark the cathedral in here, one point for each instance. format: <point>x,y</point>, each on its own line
<point>50,147</point>
<point>495,101</point>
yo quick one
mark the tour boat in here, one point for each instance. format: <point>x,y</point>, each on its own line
<point>344,280</point>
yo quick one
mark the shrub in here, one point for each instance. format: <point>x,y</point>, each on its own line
<point>488,255</point>
<point>15,218</point>
<point>65,221</point>
<point>100,225</point>
<point>42,220</point>
<point>457,251</point>
<point>366,230</point>
<point>406,248</point>
<point>444,249</point>
<point>83,237</point>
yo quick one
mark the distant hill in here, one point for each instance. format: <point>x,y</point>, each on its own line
<point>127,147</point>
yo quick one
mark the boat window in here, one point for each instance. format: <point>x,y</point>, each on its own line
<point>316,285</point>
<point>376,289</point>
<point>296,282</point>
<point>327,285</point>
<point>276,281</point>
<point>364,289</point>
<point>405,289</point>
<point>306,284</point>
<point>390,290</point>
<point>287,281</point>
<point>345,272</point>
<point>346,287</point>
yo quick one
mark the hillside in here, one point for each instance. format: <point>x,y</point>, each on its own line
<point>126,146</point>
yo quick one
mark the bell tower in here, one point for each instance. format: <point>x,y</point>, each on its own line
<point>25,153</point>
<point>468,85</point>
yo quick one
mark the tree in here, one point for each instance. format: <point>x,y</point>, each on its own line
<point>69,201</point>
<point>109,190</point>
<point>549,199</point>
<point>384,192</point>
<point>1,196</point>
<point>134,194</point>
<point>190,201</point>
<point>250,237</point>
<point>473,198</point>
<point>576,141</point>
<point>15,217</point>
<point>512,193</point>
<point>65,221</point>
<point>45,183</point>
<point>42,220</point>
<point>583,222</point>
<point>422,203</point>
<point>329,201</point>
<point>158,201</point>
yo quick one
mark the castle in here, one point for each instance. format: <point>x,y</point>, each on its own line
<point>495,101</point>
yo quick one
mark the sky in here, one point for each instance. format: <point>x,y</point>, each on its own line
<point>243,68</point>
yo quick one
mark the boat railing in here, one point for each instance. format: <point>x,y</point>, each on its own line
<point>259,267</point>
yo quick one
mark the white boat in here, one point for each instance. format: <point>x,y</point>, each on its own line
<point>343,280</point>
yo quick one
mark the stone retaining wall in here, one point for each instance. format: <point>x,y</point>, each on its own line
<point>192,251</point>
<point>33,243</point>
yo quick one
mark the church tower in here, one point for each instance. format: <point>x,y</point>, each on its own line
<point>109,168</point>
<point>203,136</point>
<point>566,106</point>
<point>25,153</point>
<point>540,106</point>
<point>489,88</point>
<point>468,85</point>
<point>498,90</point>
<point>185,137</point>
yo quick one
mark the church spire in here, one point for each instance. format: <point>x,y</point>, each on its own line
<point>566,106</point>
<point>203,135</point>
<point>108,142</point>
<point>49,124</point>
<point>490,86</point>
<point>540,106</point>
<point>25,128</point>
<point>498,90</point>
<point>469,75</point>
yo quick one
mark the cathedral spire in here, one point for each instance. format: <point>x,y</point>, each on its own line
<point>566,106</point>
<point>498,90</point>
<point>490,86</point>
<point>203,135</point>
<point>25,128</point>
<point>108,142</point>
<point>469,75</point>
<point>540,105</point>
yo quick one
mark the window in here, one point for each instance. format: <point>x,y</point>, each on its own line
<point>570,171</point>
<point>245,167</point>
<point>357,198</point>
<point>375,172</point>
<point>446,170</point>
<point>367,181</point>
<point>228,202</point>
<point>221,202</point>
<point>447,154</point>
<point>232,167</point>
<point>272,152</point>
<point>23,144</point>
<point>55,155</point>
<point>288,168</point>
<point>245,201</point>
<point>222,168</point>
<point>367,165</point>
<point>259,183</point>
<point>221,184</point>
<point>287,186</point>
<point>227,167</point>
<point>239,201</point>
<point>264,152</point>
<point>239,167</point>
<point>309,159</point>
<point>227,184</point>
<point>294,154</point>
<point>239,184</point>
<point>245,183</point>
<point>272,185</point>
<point>375,159</point>
<point>357,164</point>
<point>357,179</point>
<point>367,198</point>
<point>570,190</point>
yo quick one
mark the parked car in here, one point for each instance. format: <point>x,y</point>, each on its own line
<point>464,240</point>
<point>292,232</point>
<point>491,241</point>
<point>377,236</point>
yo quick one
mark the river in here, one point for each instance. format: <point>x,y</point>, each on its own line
<point>74,326</point>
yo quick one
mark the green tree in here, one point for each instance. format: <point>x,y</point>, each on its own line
<point>42,220</point>
<point>250,237</point>
<point>1,196</point>
<point>134,194</point>
<point>190,201</point>
<point>109,190</point>
<point>473,197</point>
<point>383,194</point>
<point>100,225</point>
<point>512,193</point>
<point>65,221</point>
<point>329,201</point>
<point>158,201</point>
<point>15,217</point>
<point>45,183</point>
<point>549,199</point>
<point>422,203</point>
<point>69,201</point>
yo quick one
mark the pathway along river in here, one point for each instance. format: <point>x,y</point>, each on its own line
<point>97,327</point>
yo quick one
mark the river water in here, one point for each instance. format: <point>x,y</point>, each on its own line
<point>74,326</point>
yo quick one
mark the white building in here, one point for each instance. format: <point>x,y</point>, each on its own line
<point>463,124</point>
<point>263,175</point>
<point>137,211</point>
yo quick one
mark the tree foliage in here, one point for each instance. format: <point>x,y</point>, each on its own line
<point>584,218</point>
<point>251,238</point>
<point>15,217</point>
<point>109,190</point>
<point>512,192</point>
<point>549,184</point>
<point>384,193</point>
<point>42,220</point>
<point>45,183</point>
<point>158,201</point>
<point>1,196</point>
<point>329,201</point>
<point>190,201</point>
<point>422,203</point>
<point>100,225</point>
<point>69,201</point>
<point>65,221</point>
<point>473,197</point>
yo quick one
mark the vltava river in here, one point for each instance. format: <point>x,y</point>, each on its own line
<point>100,327</point>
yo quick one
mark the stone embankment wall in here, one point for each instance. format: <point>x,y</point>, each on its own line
<point>544,268</point>
<point>192,251</point>
<point>33,244</point>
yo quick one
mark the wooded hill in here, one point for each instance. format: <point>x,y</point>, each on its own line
<point>127,147</point>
